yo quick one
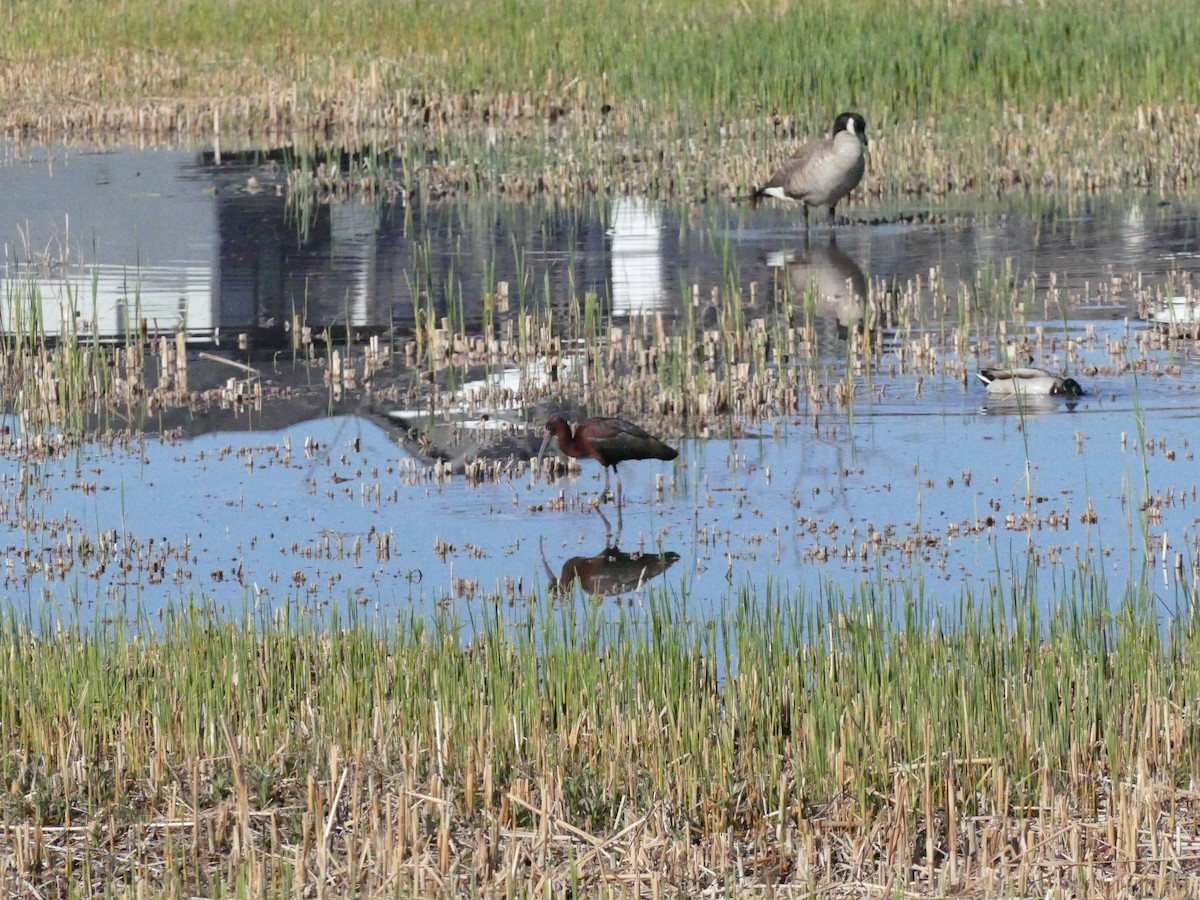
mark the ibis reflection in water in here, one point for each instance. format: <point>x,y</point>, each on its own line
<point>611,571</point>
<point>606,440</point>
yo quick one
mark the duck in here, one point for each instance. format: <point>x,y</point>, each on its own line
<point>825,171</point>
<point>1028,380</point>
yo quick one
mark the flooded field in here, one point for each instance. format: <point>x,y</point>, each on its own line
<point>851,445</point>
<point>294,605</point>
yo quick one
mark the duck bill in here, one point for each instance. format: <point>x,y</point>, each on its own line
<point>542,450</point>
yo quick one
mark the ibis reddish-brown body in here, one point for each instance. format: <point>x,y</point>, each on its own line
<point>608,441</point>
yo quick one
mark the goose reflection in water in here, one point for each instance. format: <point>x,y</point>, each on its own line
<point>834,280</point>
<point>610,572</point>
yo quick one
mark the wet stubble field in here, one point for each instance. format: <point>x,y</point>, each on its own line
<point>277,548</point>
<point>290,609</point>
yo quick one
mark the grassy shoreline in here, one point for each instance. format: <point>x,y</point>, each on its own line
<point>664,99</point>
<point>1007,752</point>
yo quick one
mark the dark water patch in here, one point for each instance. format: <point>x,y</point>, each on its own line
<point>180,241</point>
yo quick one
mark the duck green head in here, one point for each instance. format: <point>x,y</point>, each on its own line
<point>1070,388</point>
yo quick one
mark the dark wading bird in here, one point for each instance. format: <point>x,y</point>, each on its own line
<point>607,441</point>
<point>823,172</point>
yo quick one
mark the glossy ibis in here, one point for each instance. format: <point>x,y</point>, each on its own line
<point>608,441</point>
<point>823,172</point>
<point>1027,380</point>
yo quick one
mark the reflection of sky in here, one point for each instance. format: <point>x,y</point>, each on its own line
<point>925,466</point>
<point>943,482</point>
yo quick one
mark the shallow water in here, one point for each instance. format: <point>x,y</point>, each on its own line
<point>921,483</point>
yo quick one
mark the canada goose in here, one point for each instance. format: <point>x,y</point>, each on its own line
<point>825,171</point>
<point>1028,380</point>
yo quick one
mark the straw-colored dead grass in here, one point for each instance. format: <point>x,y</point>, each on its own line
<point>217,761</point>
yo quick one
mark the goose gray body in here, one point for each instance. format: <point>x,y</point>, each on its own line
<point>823,172</point>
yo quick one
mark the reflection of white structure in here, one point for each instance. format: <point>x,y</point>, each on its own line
<point>482,404</point>
<point>105,240</point>
<point>111,302</point>
<point>1182,312</point>
<point>352,228</point>
<point>637,264</point>
<point>1133,230</point>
